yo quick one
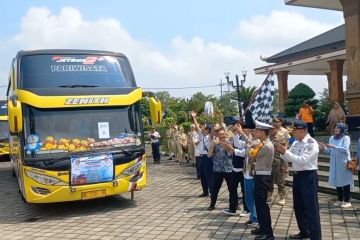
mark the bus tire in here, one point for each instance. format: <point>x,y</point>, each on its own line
<point>22,196</point>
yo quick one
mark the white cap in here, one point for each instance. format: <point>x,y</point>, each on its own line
<point>260,125</point>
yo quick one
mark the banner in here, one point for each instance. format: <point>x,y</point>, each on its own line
<point>92,169</point>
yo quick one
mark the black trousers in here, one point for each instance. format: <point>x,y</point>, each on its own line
<point>306,204</point>
<point>155,147</point>
<point>197,165</point>
<point>261,188</point>
<point>206,174</point>
<point>238,177</point>
<point>343,193</point>
<point>218,180</point>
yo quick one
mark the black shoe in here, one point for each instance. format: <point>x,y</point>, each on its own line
<point>299,236</point>
<point>203,195</point>
<point>264,237</point>
<point>256,231</point>
<point>251,223</point>
<point>210,208</point>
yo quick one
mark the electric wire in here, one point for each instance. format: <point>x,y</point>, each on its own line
<point>194,87</point>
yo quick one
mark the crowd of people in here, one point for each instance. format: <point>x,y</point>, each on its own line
<point>256,159</point>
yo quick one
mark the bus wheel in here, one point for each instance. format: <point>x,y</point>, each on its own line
<point>22,196</point>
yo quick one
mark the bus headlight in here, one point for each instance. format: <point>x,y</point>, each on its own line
<point>132,169</point>
<point>44,179</point>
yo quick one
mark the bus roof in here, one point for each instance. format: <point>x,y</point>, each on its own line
<point>67,51</point>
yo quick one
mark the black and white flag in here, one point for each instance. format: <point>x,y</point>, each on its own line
<point>260,104</point>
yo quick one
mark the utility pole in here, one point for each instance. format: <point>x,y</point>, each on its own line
<point>221,84</point>
<point>238,95</point>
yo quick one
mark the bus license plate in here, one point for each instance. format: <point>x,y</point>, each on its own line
<point>93,194</point>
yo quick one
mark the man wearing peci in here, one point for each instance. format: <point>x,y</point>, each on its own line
<point>303,154</point>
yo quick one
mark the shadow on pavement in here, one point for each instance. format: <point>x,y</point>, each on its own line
<point>13,210</point>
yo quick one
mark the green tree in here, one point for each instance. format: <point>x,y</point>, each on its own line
<point>324,107</point>
<point>227,104</point>
<point>169,121</point>
<point>164,97</point>
<point>182,117</point>
<point>296,97</point>
<point>275,103</point>
<point>245,94</point>
<point>144,106</point>
<point>197,102</point>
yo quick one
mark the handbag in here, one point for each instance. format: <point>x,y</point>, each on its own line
<point>352,164</point>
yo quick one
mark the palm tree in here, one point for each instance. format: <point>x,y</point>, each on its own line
<point>245,95</point>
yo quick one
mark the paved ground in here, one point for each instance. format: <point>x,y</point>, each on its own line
<point>168,208</point>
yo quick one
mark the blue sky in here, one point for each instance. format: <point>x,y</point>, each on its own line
<point>169,43</point>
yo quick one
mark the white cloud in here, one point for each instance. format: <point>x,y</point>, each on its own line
<point>193,62</point>
<point>282,28</point>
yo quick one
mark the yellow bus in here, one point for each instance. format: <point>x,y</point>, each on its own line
<point>75,125</point>
<point>4,131</point>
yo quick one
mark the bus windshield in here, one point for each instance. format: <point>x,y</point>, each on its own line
<point>3,108</point>
<point>4,130</point>
<point>69,71</point>
<point>60,132</point>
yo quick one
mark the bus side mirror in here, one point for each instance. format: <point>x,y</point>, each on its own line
<point>155,110</point>
<point>15,116</point>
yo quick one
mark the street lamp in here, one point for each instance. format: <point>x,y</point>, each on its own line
<point>238,86</point>
<point>244,73</point>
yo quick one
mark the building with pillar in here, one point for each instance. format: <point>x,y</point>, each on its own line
<point>322,55</point>
<point>334,53</point>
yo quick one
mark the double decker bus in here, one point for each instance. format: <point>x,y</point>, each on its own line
<point>75,125</point>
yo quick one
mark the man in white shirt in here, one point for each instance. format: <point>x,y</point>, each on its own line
<point>206,163</point>
<point>303,154</point>
<point>197,139</point>
<point>155,145</point>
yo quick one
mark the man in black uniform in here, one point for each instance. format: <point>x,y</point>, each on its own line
<point>303,154</point>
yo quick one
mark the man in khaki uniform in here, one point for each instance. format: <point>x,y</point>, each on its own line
<point>263,154</point>
<point>170,141</point>
<point>278,135</point>
<point>181,143</point>
<point>174,142</point>
<point>191,144</point>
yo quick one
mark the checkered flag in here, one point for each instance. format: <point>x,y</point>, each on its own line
<point>261,102</point>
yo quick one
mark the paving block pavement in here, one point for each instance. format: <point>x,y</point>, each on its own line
<point>167,208</point>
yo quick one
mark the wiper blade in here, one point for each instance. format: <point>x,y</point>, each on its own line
<point>125,151</point>
<point>77,86</point>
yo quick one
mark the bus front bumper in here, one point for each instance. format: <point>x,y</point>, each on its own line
<point>36,192</point>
